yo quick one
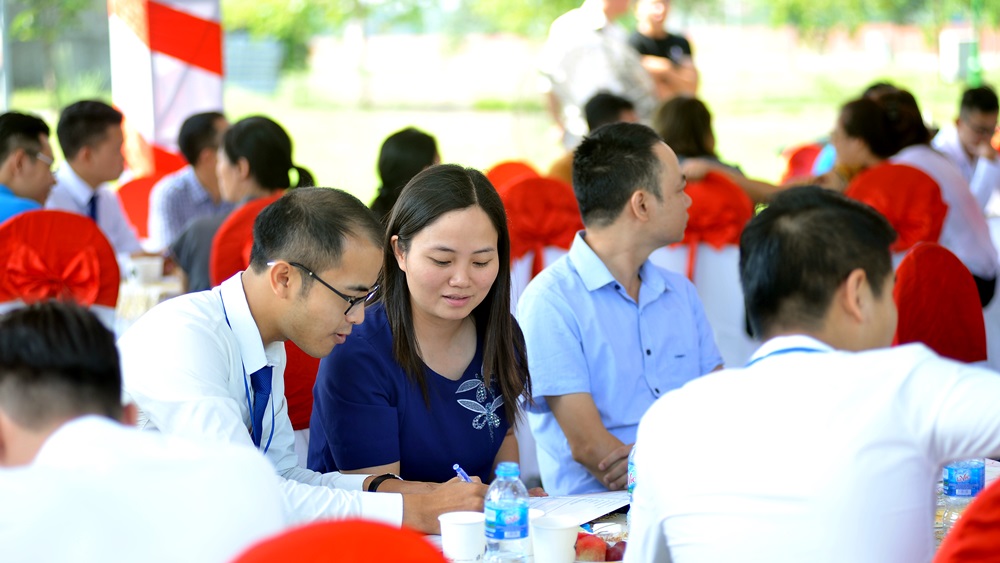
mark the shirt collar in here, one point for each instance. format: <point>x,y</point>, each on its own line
<point>779,343</point>
<point>595,273</point>
<point>74,185</point>
<point>73,436</point>
<point>248,338</point>
<point>199,194</point>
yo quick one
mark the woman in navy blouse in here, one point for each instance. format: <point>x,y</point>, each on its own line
<point>436,373</point>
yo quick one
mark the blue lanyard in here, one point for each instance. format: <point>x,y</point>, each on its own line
<point>786,351</point>
<point>246,386</point>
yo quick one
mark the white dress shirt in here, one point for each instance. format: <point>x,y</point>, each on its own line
<point>982,174</point>
<point>187,369</point>
<point>965,231</point>
<point>72,194</point>
<point>808,454</point>
<point>101,492</point>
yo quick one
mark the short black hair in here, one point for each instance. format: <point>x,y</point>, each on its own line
<point>85,124</point>
<point>20,131</point>
<point>796,253</point>
<point>605,108</point>
<point>197,134</point>
<point>982,99</point>
<point>57,361</point>
<point>610,165</point>
<point>311,226</point>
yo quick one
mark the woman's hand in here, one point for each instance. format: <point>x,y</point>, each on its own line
<point>537,492</point>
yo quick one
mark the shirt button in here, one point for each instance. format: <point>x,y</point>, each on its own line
<point>649,352</point>
<point>617,287</point>
<point>657,390</point>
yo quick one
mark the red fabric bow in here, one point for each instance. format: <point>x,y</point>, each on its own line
<point>908,198</point>
<point>31,279</point>
<point>541,212</point>
<point>719,211</point>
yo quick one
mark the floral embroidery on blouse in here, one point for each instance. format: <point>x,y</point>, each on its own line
<point>485,405</point>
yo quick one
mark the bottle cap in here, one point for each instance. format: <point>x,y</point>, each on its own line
<point>508,469</point>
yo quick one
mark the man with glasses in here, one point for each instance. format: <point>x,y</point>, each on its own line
<point>25,164</point>
<point>211,364</point>
<point>967,144</point>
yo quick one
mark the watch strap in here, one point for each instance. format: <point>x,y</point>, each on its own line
<point>373,486</point>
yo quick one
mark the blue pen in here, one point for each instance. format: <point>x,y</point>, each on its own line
<point>461,473</point>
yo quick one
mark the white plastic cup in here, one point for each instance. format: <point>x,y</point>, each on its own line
<point>147,269</point>
<point>554,539</point>
<point>463,536</point>
<point>533,513</point>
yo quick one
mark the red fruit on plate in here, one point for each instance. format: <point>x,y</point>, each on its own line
<point>590,548</point>
<point>615,552</point>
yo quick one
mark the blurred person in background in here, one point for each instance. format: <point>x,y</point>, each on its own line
<point>254,161</point>
<point>25,164</point>
<point>968,144</point>
<point>192,191</point>
<point>666,56</point>
<point>402,156</point>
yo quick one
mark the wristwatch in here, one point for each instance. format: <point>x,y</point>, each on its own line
<point>373,486</point>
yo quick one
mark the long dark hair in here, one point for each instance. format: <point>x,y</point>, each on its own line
<point>429,195</point>
<point>268,151</point>
<point>865,119</point>
<point>402,156</point>
<point>685,124</point>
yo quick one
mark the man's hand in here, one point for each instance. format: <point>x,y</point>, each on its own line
<point>615,466</point>
<point>986,150</point>
<point>420,511</point>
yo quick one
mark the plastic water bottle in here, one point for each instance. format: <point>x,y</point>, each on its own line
<point>507,517</point>
<point>631,486</point>
<point>962,481</point>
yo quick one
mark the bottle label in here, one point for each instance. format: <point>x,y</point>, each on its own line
<point>964,479</point>
<point>507,521</point>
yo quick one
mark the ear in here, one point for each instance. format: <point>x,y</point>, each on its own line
<point>4,429</point>
<point>638,204</point>
<point>207,154</point>
<point>18,159</point>
<point>282,282</point>
<point>397,251</point>
<point>130,414</point>
<point>854,295</point>
<point>243,166</point>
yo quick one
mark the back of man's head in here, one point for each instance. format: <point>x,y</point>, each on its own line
<point>605,108</point>
<point>796,253</point>
<point>85,124</point>
<point>57,362</point>
<point>20,131</point>
<point>982,99</point>
<point>609,166</point>
<point>198,133</point>
<point>311,226</point>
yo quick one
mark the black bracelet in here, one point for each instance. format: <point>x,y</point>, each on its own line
<point>373,486</point>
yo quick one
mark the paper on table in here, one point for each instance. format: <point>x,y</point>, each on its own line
<point>582,508</point>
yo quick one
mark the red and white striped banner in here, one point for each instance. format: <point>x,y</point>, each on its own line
<point>166,64</point>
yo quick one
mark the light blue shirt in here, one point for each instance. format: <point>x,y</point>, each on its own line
<point>11,205</point>
<point>175,201</point>
<point>585,334</point>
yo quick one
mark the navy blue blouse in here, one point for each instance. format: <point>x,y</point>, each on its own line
<point>367,412</point>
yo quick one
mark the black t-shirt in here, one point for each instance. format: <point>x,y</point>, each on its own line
<point>673,47</point>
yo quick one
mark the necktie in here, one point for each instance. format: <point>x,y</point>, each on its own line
<point>260,380</point>
<point>92,208</point>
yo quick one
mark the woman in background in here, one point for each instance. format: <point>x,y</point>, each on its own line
<point>402,156</point>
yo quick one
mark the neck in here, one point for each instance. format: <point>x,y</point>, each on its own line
<point>434,333</point>
<point>620,254</point>
<point>88,178</point>
<point>827,334</point>
<point>650,30</point>
<point>256,289</point>
<point>208,180</point>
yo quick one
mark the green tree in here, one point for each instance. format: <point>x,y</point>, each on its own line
<point>45,21</point>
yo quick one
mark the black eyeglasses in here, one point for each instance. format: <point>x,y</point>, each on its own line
<point>351,301</point>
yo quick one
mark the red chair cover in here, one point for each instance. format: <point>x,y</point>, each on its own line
<point>938,304</point>
<point>719,211</point>
<point>56,255</point>
<point>908,198</point>
<point>541,212</point>
<point>344,541</point>
<point>135,199</point>
<point>231,254</point>
<point>974,539</point>
<point>505,174</point>
<point>799,161</point>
